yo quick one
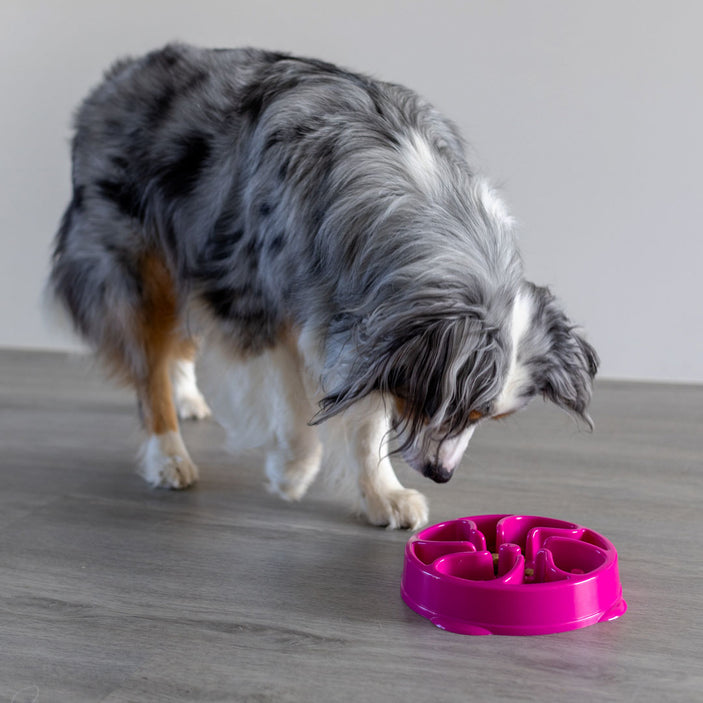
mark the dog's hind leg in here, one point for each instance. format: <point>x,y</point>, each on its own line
<point>190,403</point>
<point>165,460</point>
<point>123,301</point>
<point>122,298</point>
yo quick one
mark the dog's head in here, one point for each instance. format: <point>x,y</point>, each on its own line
<point>447,368</point>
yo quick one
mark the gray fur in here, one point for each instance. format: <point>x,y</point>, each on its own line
<point>278,191</point>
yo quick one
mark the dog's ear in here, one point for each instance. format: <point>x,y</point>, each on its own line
<point>564,362</point>
<point>407,362</point>
<point>437,362</point>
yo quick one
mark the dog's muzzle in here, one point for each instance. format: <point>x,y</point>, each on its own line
<point>437,472</point>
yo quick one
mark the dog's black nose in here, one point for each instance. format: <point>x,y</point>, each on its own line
<point>437,472</point>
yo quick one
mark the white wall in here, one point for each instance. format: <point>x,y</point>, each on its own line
<point>588,114</point>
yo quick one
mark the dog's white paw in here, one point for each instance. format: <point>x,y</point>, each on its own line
<point>290,479</point>
<point>398,509</point>
<point>190,403</point>
<point>165,462</point>
<point>192,406</point>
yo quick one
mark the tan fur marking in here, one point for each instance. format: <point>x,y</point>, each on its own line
<point>156,330</point>
<point>400,405</point>
<point>186,349</point>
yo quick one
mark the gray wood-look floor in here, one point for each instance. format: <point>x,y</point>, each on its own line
<point>110,591</point>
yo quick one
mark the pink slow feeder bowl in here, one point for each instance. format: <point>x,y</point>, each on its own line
<point>511,575</point>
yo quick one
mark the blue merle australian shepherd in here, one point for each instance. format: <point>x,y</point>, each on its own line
<point>325,230</point>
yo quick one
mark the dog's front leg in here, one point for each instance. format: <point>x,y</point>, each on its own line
<point>360,435</point>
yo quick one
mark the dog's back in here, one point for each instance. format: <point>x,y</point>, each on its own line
<point>176,154</point>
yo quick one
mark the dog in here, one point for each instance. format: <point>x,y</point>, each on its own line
<point>323,228</point>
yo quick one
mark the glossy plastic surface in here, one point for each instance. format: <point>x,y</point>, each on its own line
<point>511,575</point>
